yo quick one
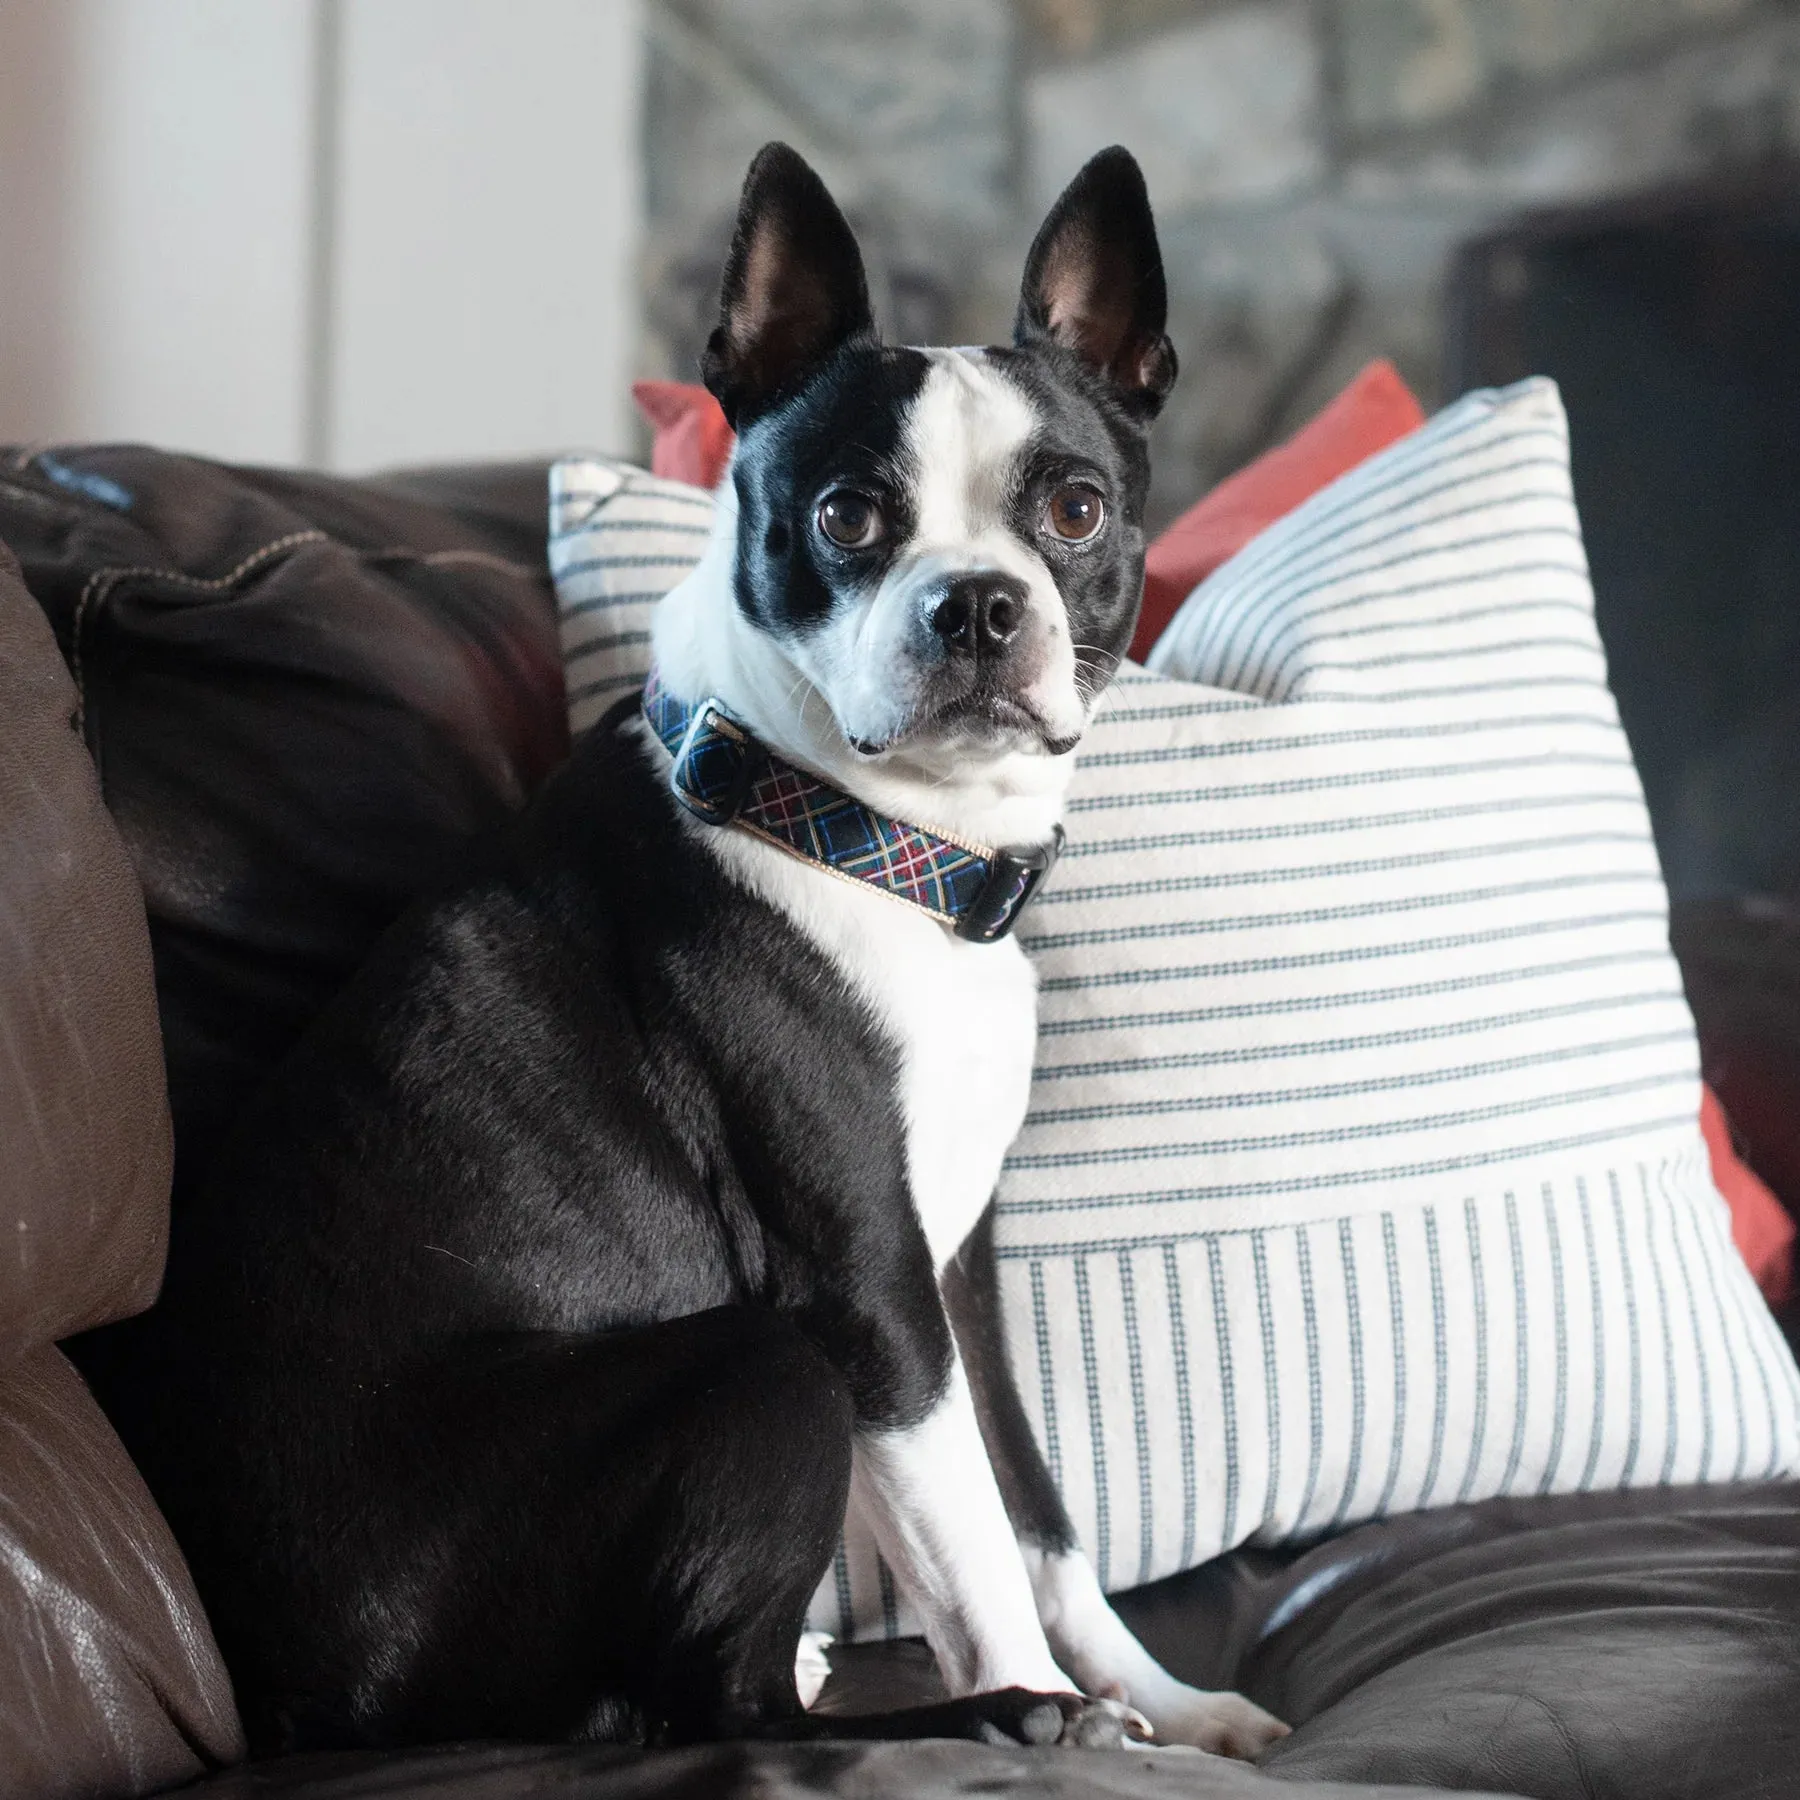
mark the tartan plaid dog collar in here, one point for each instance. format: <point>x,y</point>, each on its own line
<point>725,776</point>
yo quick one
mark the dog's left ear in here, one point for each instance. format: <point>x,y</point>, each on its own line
<point>794,289</point>
<point>1094,282</point>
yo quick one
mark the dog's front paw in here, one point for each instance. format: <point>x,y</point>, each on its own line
<point>1225,1724</point>
<point>1024,1716</point>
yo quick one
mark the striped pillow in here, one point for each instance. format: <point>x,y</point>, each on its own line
<point>1362,1172</point>
<point>619,540</point>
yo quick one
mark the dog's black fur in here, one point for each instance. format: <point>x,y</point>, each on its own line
<point>538,1213</point>
<point>506,1373</point>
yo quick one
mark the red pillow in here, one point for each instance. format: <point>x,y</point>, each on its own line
<point>1374,410</point>
<point>1760,1226</point>
<point>693,442</point>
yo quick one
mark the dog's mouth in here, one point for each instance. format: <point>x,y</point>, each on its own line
<point>982,715</point>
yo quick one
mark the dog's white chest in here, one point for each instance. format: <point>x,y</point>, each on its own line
<point>965,1016</point>
<point>962,1016</point>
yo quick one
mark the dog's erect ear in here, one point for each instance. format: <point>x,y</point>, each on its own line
<point>1094,282</point>
<point>794,288</point>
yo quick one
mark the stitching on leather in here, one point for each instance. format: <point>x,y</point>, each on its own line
<point>102,581</point>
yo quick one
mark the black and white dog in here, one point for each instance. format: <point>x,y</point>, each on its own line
<point>625,1217</point>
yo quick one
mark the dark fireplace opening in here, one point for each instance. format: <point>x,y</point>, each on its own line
<point>1672,324</point>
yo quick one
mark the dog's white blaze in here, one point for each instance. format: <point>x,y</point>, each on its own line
<point>963,435</point>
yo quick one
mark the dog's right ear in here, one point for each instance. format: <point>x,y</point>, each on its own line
<point>794,288</point>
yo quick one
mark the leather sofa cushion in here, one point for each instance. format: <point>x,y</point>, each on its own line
<point>84,1126</point>
<point>304,695</point>
<point>1638,1646</point>
<point>1642,1645</point>
<point>110,1684</point>
<point>1612,1646</point>
<point>931,1770</point>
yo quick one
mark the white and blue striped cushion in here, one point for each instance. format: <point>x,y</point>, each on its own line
<point>619,540</point>
<point>1362,1171</point>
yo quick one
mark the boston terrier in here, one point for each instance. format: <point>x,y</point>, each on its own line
<point>624,1219</point>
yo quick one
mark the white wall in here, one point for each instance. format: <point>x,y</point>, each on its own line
<point>487,186</point>
<point>153,206</point>
<point>348,232</point>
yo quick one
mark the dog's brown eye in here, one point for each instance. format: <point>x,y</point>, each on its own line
<point>851,521</point>
<point>1075,512</point>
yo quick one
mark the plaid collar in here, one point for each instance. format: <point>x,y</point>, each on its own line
<point>723,775</point>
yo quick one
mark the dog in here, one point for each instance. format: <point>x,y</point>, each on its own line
<point>627,1215</point>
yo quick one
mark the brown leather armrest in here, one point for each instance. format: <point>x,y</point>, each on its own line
<point>110,1684</point>
<point>84,1124</point>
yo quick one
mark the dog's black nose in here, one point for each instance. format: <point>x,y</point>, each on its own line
<point>981,614</point>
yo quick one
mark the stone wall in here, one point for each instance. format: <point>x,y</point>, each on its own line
<point>1313,163</point>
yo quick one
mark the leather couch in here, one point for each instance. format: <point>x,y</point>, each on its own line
<point>244,716</point>
<point>109,1680</point>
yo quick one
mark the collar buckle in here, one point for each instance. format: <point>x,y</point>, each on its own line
<point>716,765</point>
<point>1014,876</point>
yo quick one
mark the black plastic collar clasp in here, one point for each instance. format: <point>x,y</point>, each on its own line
<point>1013,877</point>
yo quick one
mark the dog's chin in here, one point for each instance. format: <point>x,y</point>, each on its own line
<point>985,725</point>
